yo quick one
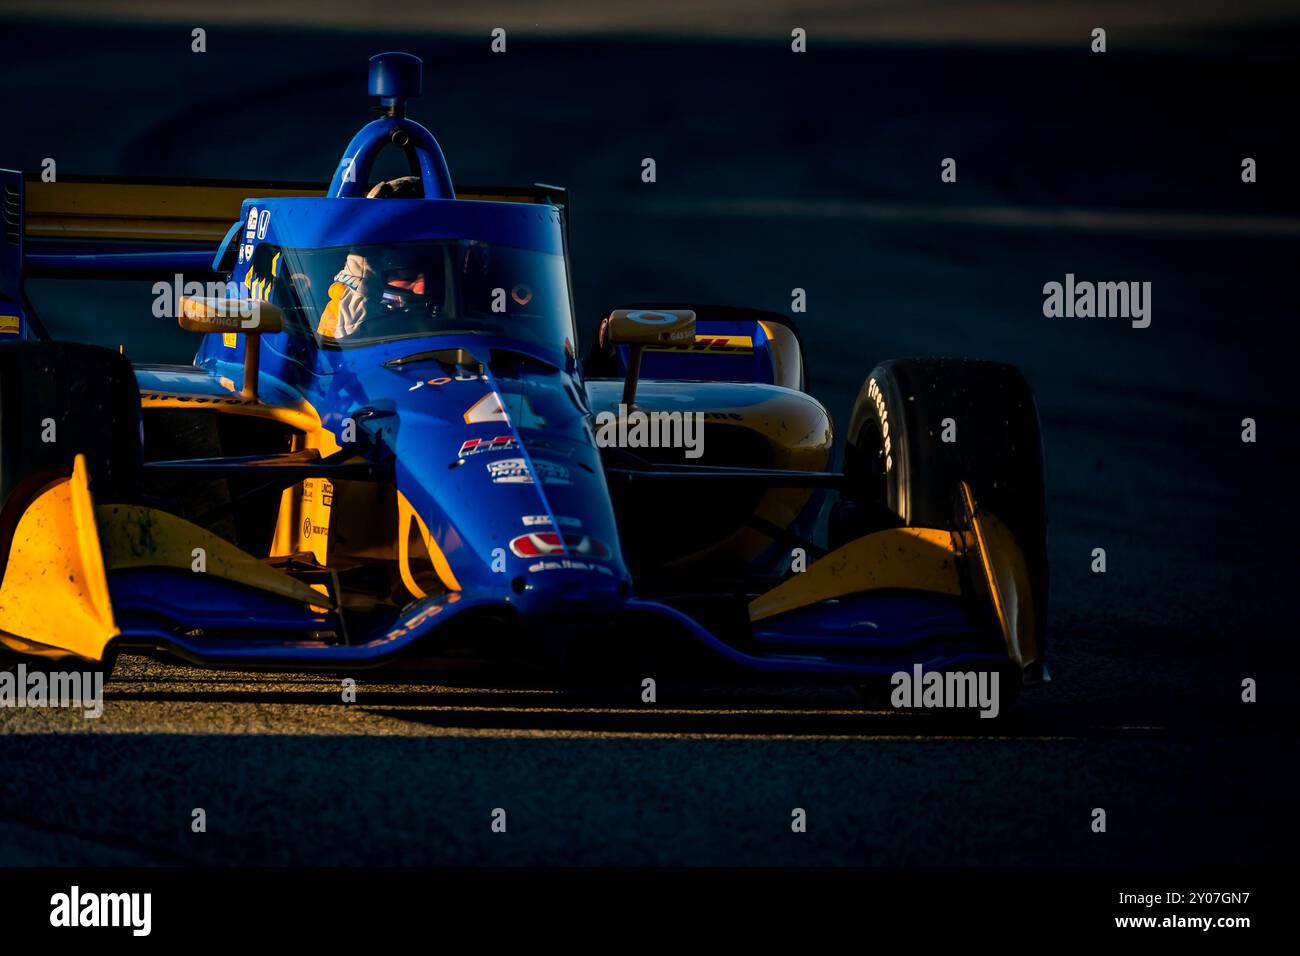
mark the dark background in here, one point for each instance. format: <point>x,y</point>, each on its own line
<point>775,171</point>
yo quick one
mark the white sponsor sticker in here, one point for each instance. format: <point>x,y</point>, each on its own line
<point>532,521</point>
<point>514,471</point>
<point>565,564</point>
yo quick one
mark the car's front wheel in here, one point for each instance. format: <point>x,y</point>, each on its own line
<point>919,428</point>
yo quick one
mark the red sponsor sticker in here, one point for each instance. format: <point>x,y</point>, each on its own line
<point>542,543</point>
<point>476,445</point>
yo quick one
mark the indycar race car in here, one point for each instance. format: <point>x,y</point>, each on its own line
<point>389,446</point>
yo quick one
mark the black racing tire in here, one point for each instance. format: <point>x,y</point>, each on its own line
<point>899,469</point>
<point>58,400</point>
<point>86,398</point>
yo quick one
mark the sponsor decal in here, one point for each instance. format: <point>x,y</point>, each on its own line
<point>475,446</point>
<point>542,543</point>
<point>723,344</point>
<point>511,471</point>
<point>440,380</point>
<point>348,279</point>
<point>551,473</point>
<point>531,521</point>
<point>567,564</point>
<point>9,324</point>
<point>250,236</point>
<point>487,409</point>
<point>419,619</point>
<point>491,408</point>
<point>308,529</point>
<point>648,317</point>
<point>514,471</point>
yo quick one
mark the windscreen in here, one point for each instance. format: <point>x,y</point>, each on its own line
<point>355,295</point>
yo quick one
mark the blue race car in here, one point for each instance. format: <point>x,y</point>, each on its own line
<point>390,445</point>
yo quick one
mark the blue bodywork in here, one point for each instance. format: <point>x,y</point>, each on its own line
<point>420,431</point>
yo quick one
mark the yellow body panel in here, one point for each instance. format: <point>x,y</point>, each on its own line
<point>165,212</point>
<point>1006,576</point>
<point>794,425</point>
<point>304,518</point>
<point>303,524</point>
<point>316,501</point>
<point>798,429</point>
<point>921,559</point>
<point>303,418</point>
<point>138,537</point>
<point>407,519</point>
<point>787,358</point>
<point>54,599</point>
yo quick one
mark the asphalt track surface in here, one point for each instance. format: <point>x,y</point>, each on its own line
<point>774,172</point>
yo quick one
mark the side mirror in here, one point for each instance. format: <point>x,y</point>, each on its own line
<point>647,327</point>
<point>229,315</point>
<point>252,317</point>
<point>638,328</point>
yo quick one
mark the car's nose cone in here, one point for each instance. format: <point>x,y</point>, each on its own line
<point>558,584</point>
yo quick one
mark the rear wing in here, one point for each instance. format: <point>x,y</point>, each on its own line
<point>120,227</point>
<point>174,210</point>
<point>102,227</point>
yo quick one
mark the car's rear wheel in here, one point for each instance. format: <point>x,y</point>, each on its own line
<point>922,426</point>
<point>61,399</point>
